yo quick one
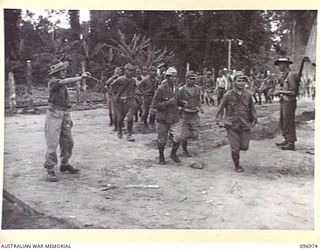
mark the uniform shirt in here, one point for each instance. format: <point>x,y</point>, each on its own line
<point>58,94</point>
<point>124,87</point>
<point>222,82</point>
<point>148,86</point>
<point>191,96</point>
<point>167,113</point>
<point>209,83</point>
<point>290,83</point>
<point>108,83</point>
<point>240,110</point>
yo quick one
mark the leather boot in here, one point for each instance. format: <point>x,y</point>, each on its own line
<point>119,133</point>
<point>162,160</point>
<point>236,161</point>
<point>145,122</point>
<point>120,130</point>
<point>174,150</point>
<point>284,142</point>
<point>130,128</point>
<point>288,146</point>
<point>184,145</point>
<point>111,119</point>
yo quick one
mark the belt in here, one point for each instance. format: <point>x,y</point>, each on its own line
<point>59,108</point>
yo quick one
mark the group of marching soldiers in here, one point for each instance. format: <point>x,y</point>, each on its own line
<point>155,94</point>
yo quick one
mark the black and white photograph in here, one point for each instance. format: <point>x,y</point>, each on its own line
<point>159,119</point>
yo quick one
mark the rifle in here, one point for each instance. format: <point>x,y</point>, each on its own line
<point>304,59</point>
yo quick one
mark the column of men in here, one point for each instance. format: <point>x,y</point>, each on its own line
<point>175,107</point>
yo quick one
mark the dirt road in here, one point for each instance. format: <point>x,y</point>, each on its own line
<point>275,191</point>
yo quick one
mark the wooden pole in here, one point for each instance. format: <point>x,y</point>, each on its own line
<point>84,84</point>
<point>229,54</point>
<point>29,82</point>
<point>12,91</point>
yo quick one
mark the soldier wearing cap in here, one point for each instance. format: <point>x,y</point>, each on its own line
<point>162,72</point>
<point>138,110</point>
<point>166,103</point>
<point>240,117</point>
<point>118,71</point>
<point>209,87</point>
<point>288,103</point>
<point>190,102</point>
<point>147,88</point>
<point>58,120</point>
<point>124,88</point>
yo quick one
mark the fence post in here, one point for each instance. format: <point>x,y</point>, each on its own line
<point>12,92</point>
<point>84,82</point>
<point>29,83</point>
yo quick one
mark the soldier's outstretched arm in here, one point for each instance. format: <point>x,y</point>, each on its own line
<point>74,79</point>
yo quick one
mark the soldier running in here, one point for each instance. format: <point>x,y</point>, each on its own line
<point>240,117</point>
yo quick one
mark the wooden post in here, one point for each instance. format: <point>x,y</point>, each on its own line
<point>29,82</point>
<point>84,84</point>
<point>78,86</point>
<point>188,67</point>
<point>12,91</point>
<point>229,54</point>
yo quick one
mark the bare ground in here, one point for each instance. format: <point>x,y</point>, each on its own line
<point>275,192</point>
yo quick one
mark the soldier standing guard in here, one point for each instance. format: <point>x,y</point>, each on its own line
<point>166,103</point>
<point>240,117</point>
<point>190,101</point>
<point>288,103</point>
<point>124,100</point>
<point>58,121</point>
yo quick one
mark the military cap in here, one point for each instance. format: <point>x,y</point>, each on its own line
<point>283,60</point>
<point>58,67</point>
<point>191,74</point>
<point>129,66</point>
<point>171,71</point>
<point>161,65</point>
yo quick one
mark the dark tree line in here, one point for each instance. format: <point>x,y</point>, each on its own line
<point>113,38</point>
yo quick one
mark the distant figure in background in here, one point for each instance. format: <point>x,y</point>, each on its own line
<point>256,88</point>
<point>221,85</point>
<point>58,121</point>
<point>138,111</point>
<point>209,87</point>
<point>144,71</point>
<point>162,72</point>
<point>240,117</point>
<point>313,87</point>
<point>288,103</point>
